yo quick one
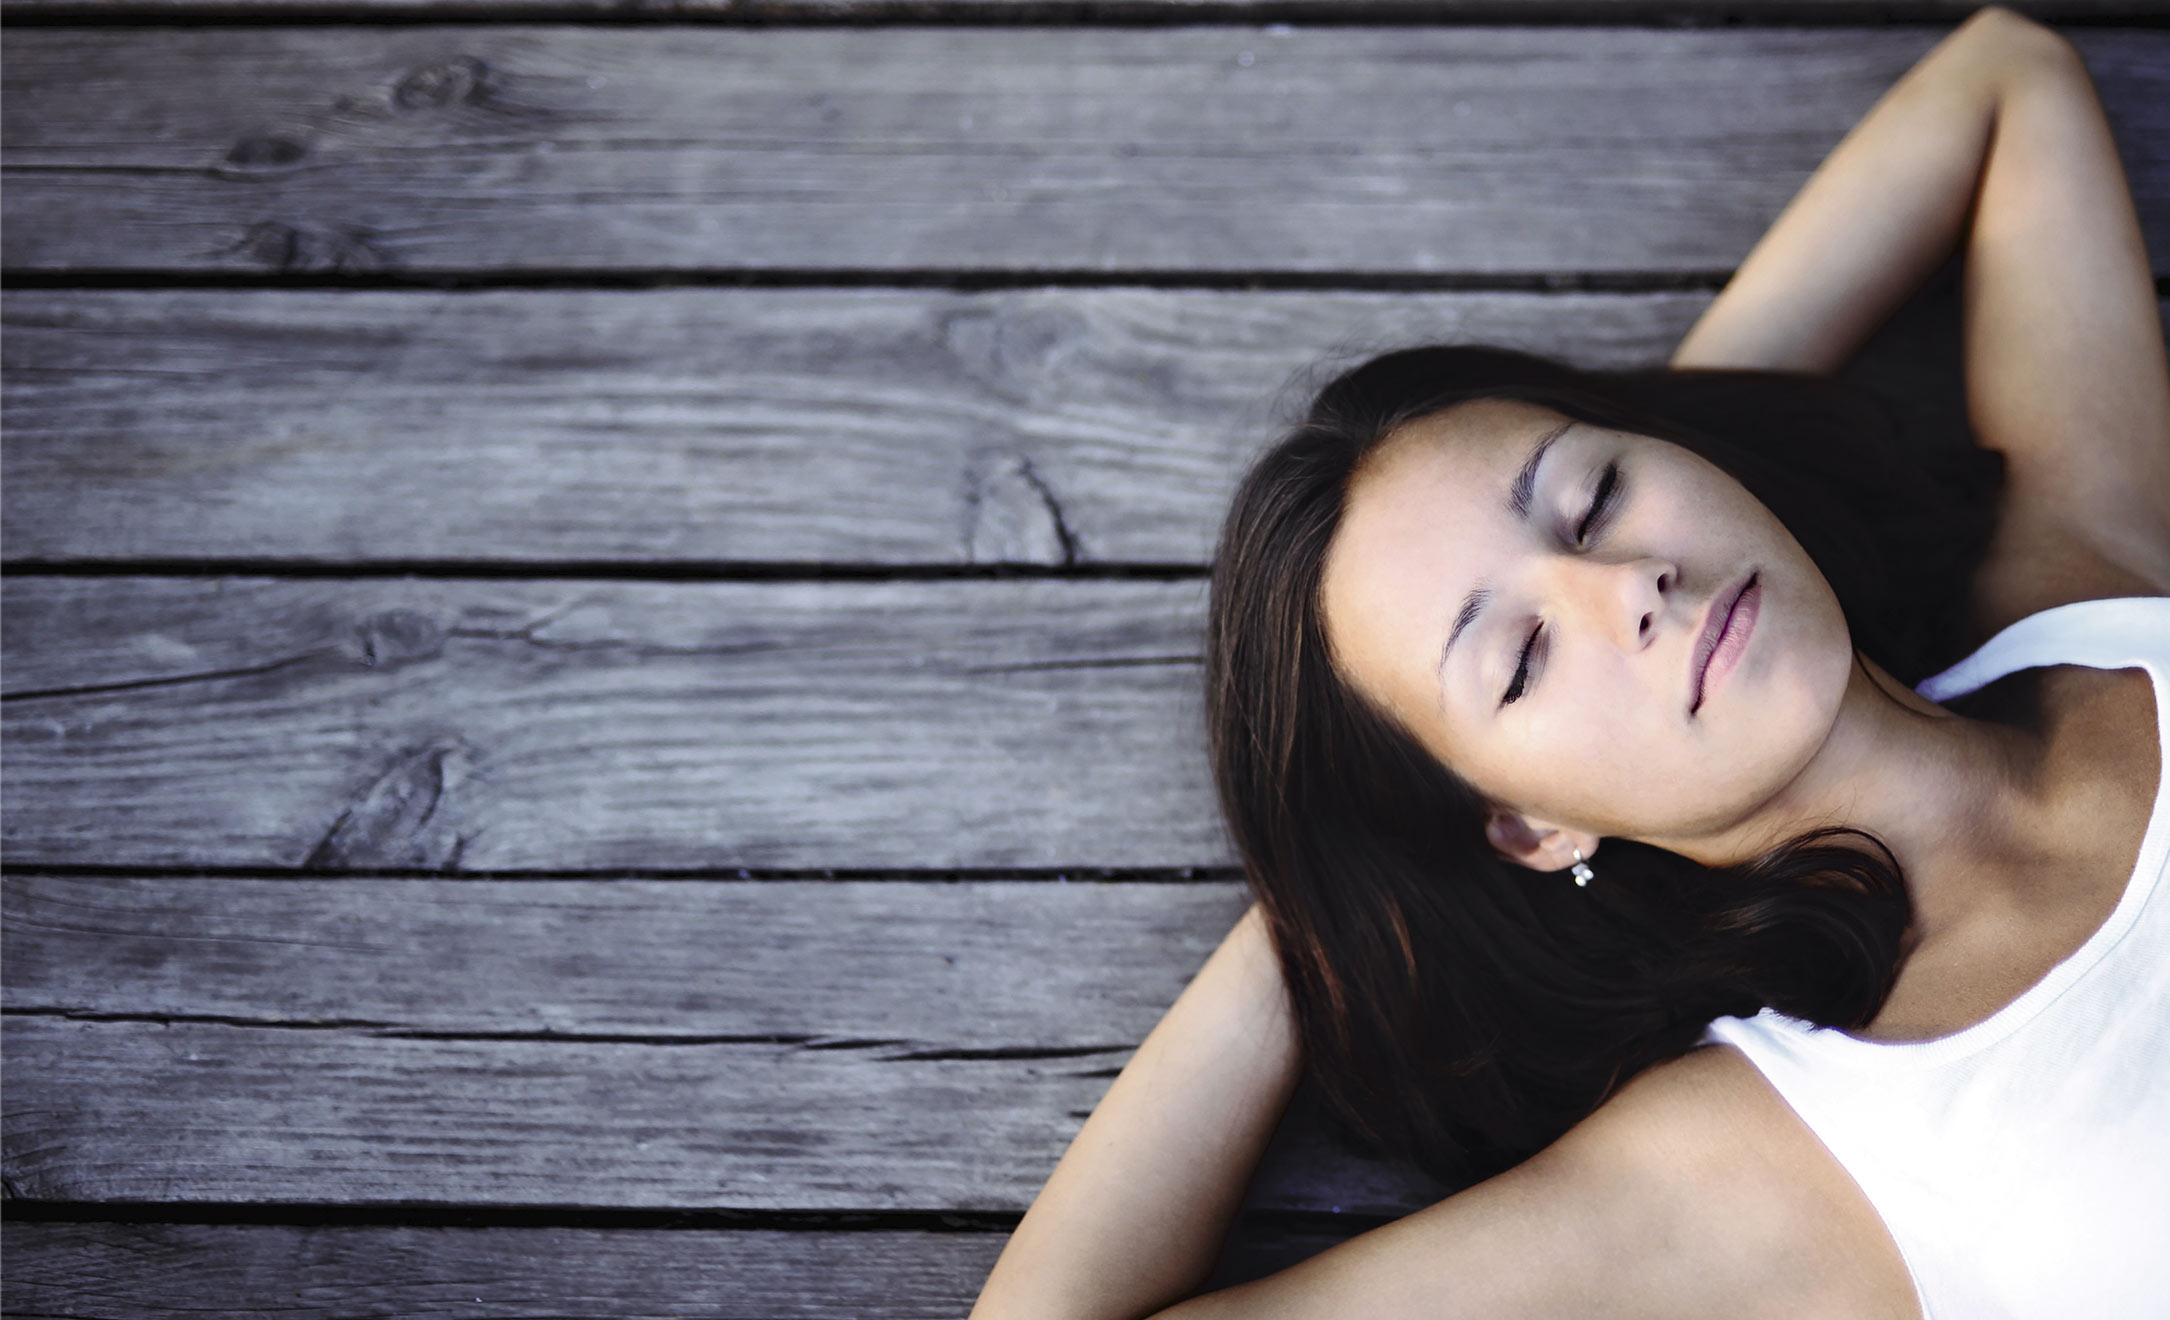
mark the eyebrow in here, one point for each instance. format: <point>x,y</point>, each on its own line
<point>1521,493</point>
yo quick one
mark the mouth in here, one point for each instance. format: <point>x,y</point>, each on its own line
<point>1725,635</point>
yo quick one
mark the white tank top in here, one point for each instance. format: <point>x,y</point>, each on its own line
<point>2023,1164</point>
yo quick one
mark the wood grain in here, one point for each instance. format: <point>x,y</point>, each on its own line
<point>750,425</point>
<point>586,725</point>
<point>827,426</point>
<point>96,1271</point>
<point>916,966</point>
<point>1012,11</point>
<point>791,1040</point>
<point>1369,150</point>
<point>107,1111</point>
<point>129,1271</point>
<point>199,1111</point>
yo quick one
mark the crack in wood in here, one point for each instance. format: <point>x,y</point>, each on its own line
<point>474,1215</point>
<point>548,1035</point>
<point>1100,662</point>
<point>1115,875</point>
<point>394,1031</point>
<point>193,1019</point>
<point>175,680</point>
<point>1004,1052</point>
<point>1013,517</point>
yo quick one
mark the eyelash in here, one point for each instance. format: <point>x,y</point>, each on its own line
<point>1601,507</point>
<point>1522,669</point>
<point>1608,494</point>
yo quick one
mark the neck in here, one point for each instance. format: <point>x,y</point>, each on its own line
<point>1956,800</point>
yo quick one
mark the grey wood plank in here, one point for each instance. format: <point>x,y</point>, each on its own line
<point>918,966</point>
<point>1034,991</point>
<point>116,1271</point>
<point>113,1271</point>
<point>1010,11</point>
<point>196,1111</point>
<point>802,425</point>
<point>126,1271</point>
<point>507,148</point>
<point>593,725</point>
<point>759,426</point>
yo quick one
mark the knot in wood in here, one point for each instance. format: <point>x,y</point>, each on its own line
<point>256,155</point>
<point>285,247</point>
<point>401,819</point>
<point>400,637</point>
<point>448,82</point>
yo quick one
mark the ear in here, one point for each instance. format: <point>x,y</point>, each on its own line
<point>1536,844</point>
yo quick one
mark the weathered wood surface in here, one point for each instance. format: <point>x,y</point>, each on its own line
<point>1010,11</point>
<point>714,426</point>
<point>899,966</point>
<point>507,149</point>
<point>127,1271</point>
<point>525,725</point>
<point>748,1045</point>
<point>816,425</point>
<point>200,1111</point>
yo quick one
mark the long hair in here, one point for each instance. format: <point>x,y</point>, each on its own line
<point>1454,1008</point>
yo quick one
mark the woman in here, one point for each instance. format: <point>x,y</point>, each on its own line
<point>1544,626</point>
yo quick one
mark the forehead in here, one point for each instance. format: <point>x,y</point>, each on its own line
<point>1438,476</point>
<point>1477,431</point>
<point>1425,516</point>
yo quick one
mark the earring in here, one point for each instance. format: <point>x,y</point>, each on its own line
<point>1581,868</point>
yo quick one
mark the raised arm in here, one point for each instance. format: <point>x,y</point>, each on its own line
<point>1896,198</point>
<point>1995,146</point>
<point>1133,1216</point>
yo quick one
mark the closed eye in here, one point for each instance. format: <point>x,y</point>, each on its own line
<point>1601,504</point>
<point>1521,684</point>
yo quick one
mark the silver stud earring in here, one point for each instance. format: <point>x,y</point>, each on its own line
<point>1581,868</point>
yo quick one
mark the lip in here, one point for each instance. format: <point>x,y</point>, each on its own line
<point>1707,662</point>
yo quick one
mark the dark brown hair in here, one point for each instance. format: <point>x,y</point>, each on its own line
<point>1462,1011</point>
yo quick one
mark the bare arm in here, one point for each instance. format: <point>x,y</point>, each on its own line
<point>1133,1216</point>
<point>1694,1192</point>
<point>1994,145</point>
<point>1897,196</point>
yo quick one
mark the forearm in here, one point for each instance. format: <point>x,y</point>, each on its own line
<point>1889,205</point>
<point>1134,1214</point>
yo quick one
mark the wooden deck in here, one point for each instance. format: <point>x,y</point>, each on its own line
<point>602,619</point>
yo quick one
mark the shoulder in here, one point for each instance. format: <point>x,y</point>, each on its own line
<point>1742,1209</point>
<point>1692,1192</point>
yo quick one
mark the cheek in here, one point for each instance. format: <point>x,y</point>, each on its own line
<point>1641,769</point>
<point>1584,754</point>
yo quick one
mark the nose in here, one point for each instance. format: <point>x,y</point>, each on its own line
<point>1623,600</point>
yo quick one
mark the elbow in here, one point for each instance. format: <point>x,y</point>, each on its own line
<point>2019,46</point>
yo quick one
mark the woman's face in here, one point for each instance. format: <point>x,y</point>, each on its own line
<point>1537,600</point>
